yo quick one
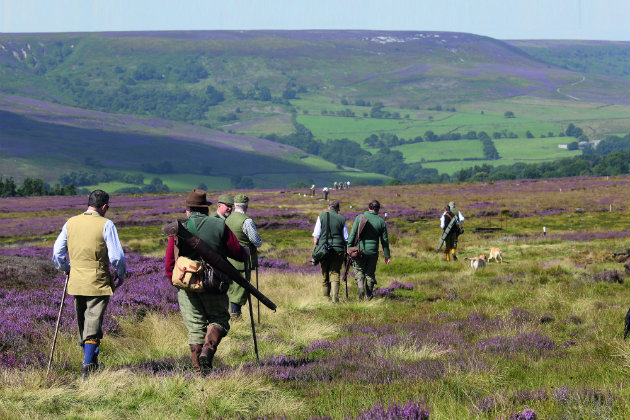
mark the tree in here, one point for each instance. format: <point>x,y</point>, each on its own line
<point>509,114</point>
<point>529,135</point>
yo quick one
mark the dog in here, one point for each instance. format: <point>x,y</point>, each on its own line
<point>496,254</point>
<point>477,262</point>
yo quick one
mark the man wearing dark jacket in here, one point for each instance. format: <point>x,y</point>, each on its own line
<point>331,228</point>
<point>374,231</point>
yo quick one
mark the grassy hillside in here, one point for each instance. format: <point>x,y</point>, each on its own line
<point>252,82</point>
<point>43,140</point>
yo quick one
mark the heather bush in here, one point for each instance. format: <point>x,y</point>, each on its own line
<point>538,336</point>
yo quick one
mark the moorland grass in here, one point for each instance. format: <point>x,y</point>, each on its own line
<point>540,331</point>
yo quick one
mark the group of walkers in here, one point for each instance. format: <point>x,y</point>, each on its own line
<point>91,242</point>
<point>326,189</point>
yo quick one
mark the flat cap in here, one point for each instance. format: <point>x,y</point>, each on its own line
<point>241,199</point>
<point>226,199</point>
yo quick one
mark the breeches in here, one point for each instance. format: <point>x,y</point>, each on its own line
<point>331,268</point>
<point>364,270</point>
<point>236,293</point>
<point>90,311</point>
<point>200,310</point>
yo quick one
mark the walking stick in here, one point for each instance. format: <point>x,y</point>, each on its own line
<point>251,318</point>
<point>257,302</point>
<point>345,273</point>
<point>52,349</point>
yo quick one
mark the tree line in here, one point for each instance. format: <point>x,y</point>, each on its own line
<point>33,187</point>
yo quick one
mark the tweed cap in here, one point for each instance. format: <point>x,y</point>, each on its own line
<point>197,198</point>
<point>452,205</point>
<point>241,199</point>
<point>226,199</point>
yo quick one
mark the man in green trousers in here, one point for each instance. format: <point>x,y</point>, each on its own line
<point>245,230</point>
<point>374,231</point>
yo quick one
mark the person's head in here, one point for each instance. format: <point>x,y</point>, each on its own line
<point>225,203</point>
<point>241,201</point>
<point>374,206</point>
<point>447,208</point>
<point>197,202</point>
<point>334,205</point>
<point>99,201</point>
<point>451,205</point>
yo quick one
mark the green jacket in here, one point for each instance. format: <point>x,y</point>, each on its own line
<point>337,223</point>
<point>374,230</point>
<point>235,223</point>
<point>210,230</point>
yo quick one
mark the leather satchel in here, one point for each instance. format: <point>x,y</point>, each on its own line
<point>188,275</point>
<point>354,251</point>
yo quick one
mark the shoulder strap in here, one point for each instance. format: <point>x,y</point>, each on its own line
<point>327,227</point>
<point>362,222</point>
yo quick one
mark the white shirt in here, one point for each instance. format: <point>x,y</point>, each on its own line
<point>317,232</point>
<point>460,217</point>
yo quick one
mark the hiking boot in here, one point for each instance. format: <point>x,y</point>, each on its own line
<point>235,316</point>
<point>213,338</point>
<point>195,351</point>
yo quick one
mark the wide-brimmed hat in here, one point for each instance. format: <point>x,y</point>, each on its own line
<point>226,199</point>
<point>197,198</point>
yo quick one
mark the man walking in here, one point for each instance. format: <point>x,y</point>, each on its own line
<point>331,228</point>
<point>450,242</point>
<point>374,231</point>
<point>245,230</point>
<point>92,243</point>
<point>206,315</point>
<point>225,203</point>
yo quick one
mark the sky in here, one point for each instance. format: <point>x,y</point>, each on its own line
<point>502,19</point>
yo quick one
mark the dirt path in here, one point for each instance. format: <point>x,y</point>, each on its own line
<point>572,84</point>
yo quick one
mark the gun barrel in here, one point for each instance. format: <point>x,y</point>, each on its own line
<point>215,260</point>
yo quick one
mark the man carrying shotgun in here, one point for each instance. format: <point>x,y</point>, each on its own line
<point>206,314</point>
<point>92,243</point>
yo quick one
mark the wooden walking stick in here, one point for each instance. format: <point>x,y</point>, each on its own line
<point>52,349</point>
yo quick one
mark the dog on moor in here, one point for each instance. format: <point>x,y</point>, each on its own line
<point>496,254</point>
<point>477,262</point>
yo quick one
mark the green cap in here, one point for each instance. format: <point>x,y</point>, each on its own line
<point>241,199</point>
<point>226,199</point>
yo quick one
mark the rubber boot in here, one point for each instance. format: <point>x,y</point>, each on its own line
<point>360,289</point>
<point>326,290</point>
<point>454,256</point>
<point>368,291</point>
<point>213,338</point>
<point>335,291</point>
<point>195,351</point>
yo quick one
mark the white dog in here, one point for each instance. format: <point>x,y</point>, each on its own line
<point>477,262</point>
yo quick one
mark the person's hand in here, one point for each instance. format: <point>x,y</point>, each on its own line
<point>387,260</point>
<point>116,284</point>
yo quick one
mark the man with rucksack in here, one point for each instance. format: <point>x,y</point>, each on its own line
<point>331,229</point>
<point>206,314</point>
<point>373,231</point>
